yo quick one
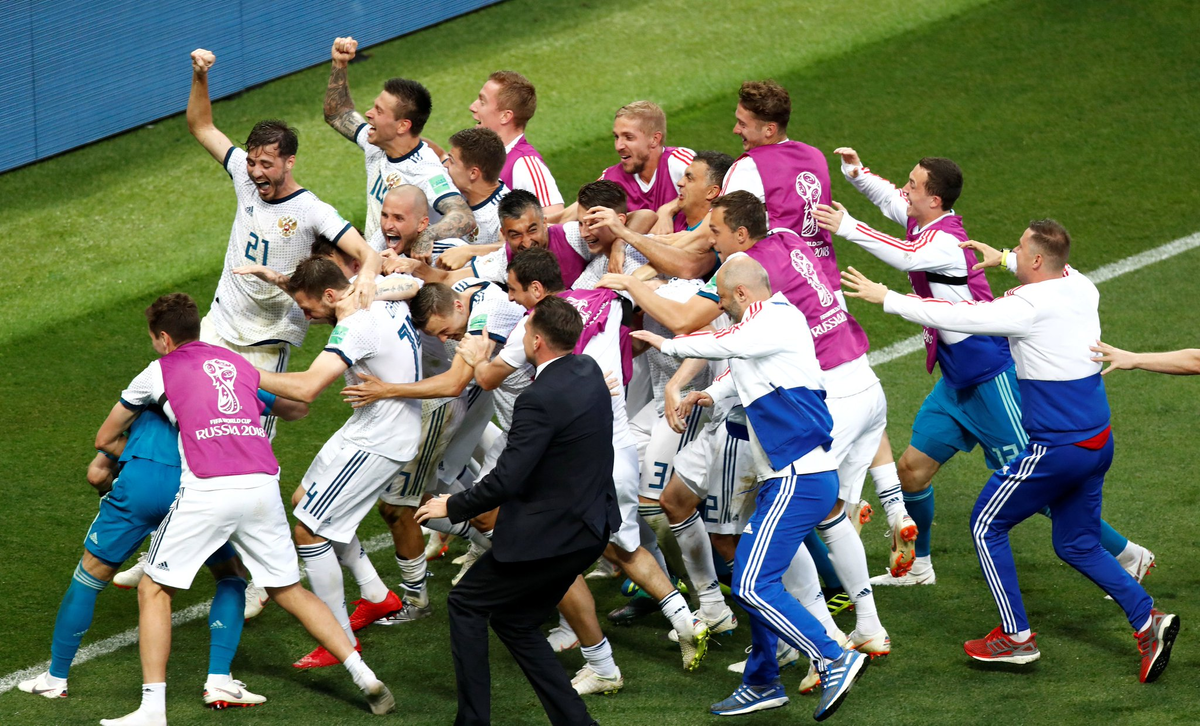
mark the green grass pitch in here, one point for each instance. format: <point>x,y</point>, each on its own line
<point>1081,111</point>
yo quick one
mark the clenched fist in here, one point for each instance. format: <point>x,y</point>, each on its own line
<point>343,51</point>
<point>202,60</point>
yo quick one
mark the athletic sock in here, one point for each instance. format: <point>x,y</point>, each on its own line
<point>354,558</point>
<point>359,670</point>
<point>697,553</point>
<point>922,564</point>
<point>1131,553</point>
<point>412,572</point>
<point>1111,540</point>
<point>226,616</point>
<point>73,620</point>
<point>820,555</point>
<point>675,608</point>
<point>325,579</point>
<point>154,697</point>
<point>848,556</point>
<point>482,540</point>
<point>444,525</point>
<point>887,488</point>
<point>1022,636</point>
<point>656,518</point>
<point>800,580</point>
<point>920,508</point>
<point>599,658</point>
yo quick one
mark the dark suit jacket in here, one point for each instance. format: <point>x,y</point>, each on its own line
<point>553,481</point>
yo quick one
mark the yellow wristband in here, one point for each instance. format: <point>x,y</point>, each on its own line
<point>1004,257</point>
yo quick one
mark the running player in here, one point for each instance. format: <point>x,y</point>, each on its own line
<point>977,399</point>
<point>506,104</point>
<point>361,458</point>
<point>227,471</point>
<point>145,463</point>
<point>1051,320</point>
<point>390,137</point>
<point>738,224</point>
<point>778,381</point>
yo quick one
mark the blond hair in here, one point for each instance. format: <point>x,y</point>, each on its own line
<point>647,114</point>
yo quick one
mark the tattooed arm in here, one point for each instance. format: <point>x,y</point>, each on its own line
<point>339,108</point>
<point>457,221</point>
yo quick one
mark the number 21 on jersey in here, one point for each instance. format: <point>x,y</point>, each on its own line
<point>252,249</point>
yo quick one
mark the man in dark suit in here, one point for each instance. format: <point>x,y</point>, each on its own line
<point>553,484</point>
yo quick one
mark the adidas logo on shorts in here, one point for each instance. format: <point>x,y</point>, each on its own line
<point>163,566</point>
<point>94,538</point>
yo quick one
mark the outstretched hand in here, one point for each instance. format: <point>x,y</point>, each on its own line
<point>989,256</point>
<point>650,338</point>
<point>829,218</point>
<point>262,272</point>
<point>850,158</point>
<point>863,287</point>
<point>1117,359</point>
<point>370,390</point>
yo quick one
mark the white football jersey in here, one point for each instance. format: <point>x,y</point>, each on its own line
<point>277,234</point>
<point>419,167</point>
<point>487,218</point>
<point>598,268</point>
<point>381,341</point>
<point>663,366</point>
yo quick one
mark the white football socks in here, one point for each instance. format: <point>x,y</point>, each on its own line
<point>599,658</point>
<point>802,582</point>
<point>354,558</point>
<point>362,674</point>
<point>850,562</point>
<point>412,572</point>
<point>154,697</point>
<point>887,488</point>
<point>675,608</point>
<point>697,553</point>
<point>325,579</point>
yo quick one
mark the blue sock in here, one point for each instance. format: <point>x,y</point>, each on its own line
<point>74,619</point>
<point>820,555</point>
<point>225,620</point>
<point>920,508</point>
<point>1112,540</point>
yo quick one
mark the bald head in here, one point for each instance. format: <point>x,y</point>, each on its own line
<point>404,216</point>
<point>741,281</point>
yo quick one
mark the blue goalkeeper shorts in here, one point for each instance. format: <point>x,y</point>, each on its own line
<point>987,414</point>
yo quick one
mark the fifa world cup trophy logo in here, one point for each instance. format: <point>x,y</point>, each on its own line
<point>805,267</point>
<point>223,374</point>
<point>809,189</point>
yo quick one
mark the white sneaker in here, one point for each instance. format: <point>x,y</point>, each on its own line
<point>436,546</point>
<point>724,623</point>
<point>256,599</point>
<point>588,681</point>
<point>130,578</point>
<point>912,577</point>
<point>379,698</point>
<point>230,695</point>
<point>1137,566</point>
<point>137,718</point>
<point>562,639</point>
<point>876,645</point>
<point>467,561</point>
<point>786,657</point>
<point>40,686</point>
<point>603,570</point>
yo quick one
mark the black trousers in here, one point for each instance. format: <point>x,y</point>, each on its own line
<point>516,598</point>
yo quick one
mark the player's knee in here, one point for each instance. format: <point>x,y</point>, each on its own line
<point>1073,552</point>
<point>677,500</point>
<point>304,535</point>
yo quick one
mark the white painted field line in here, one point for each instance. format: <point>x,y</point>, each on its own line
<point>879,357</point>
<point>1099,275</point>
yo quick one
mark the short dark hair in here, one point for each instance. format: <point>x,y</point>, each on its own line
<point>718,165</point>
<point>413,102</point>
<point>742,209</point>
<point>768,101</point>
<point>537,265</point>
<point>176,315</point>
<point>433,299</point>
<point>1052,240</point>
<point>481,148</point>
<point>322,246</point>
<point>945,179</point>
<point>557,321</point>
<point>314,275</point>
<point>602,193</point>
<point>273,131</point>
<point>516,94</point>
<point>514,204</point>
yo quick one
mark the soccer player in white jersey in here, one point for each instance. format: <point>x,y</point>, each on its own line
<point>229,490</point>
<point>276,223</point>
<point>474,161</point>
<point>361,458</point>
<point>1051,321</point>
<point>390,137</point>
<point>601,201</point>
<point>534,275</point>
<point>452,407</point>
<point>506,103</point>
